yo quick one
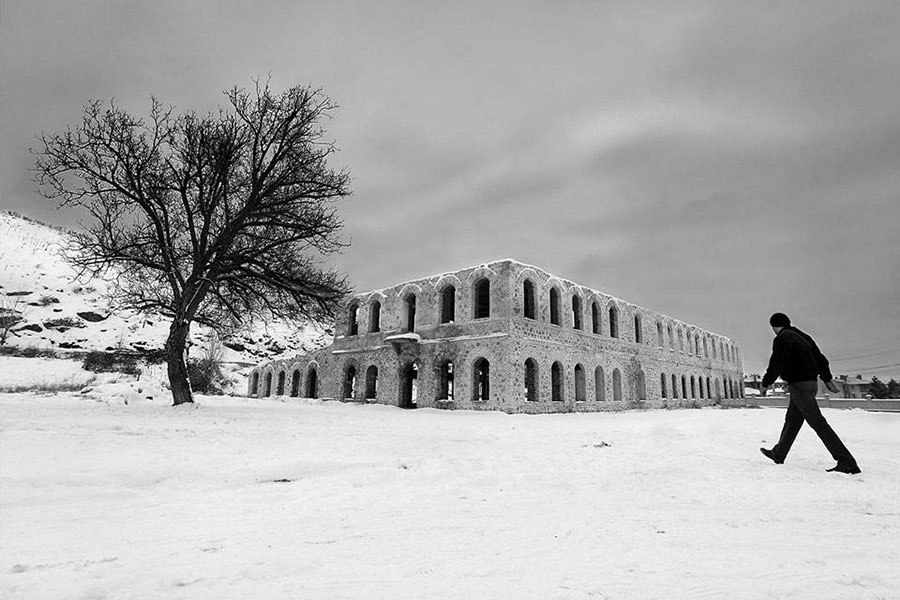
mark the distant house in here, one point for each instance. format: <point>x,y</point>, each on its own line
<point>850,387</point>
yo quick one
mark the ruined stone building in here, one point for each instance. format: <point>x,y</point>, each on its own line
<point>508,336</point>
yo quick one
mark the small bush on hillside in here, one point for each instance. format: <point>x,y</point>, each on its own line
<point>98,361</point>
<point>63,323</point>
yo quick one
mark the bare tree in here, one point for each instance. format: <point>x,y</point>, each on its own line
<point>219,218</point>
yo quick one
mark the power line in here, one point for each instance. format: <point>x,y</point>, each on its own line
<point>846,358</point>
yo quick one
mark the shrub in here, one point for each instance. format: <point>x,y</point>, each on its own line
<point>98,361</point>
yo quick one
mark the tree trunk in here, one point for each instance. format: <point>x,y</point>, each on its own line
<point>177,362</point>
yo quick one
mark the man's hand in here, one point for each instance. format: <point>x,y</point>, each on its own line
<point>831,387</point>
<point>762,391</point>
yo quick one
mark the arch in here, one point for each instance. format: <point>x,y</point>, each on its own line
<point>617,385</point>
<point>409,312</point>
<point>705,348</point>
<point>700,386</point>
<point>554,306</point>
<point>353,318</point>
<point>448,304</point>
<point>596,322</point>
<point>599,384</point>
<point>718,390</point>
<point>409,376</point>
<point>693,387</point>
<point>674,386</point>
<point>445,380</point>
<point>295,383</point>
<point>349,388</point>
<point>638,329</point>
<point>482,303</point>
<point>580,394</point>
<point>528,299</point>
<point>279,388</point>
<point>481,380</point>
<point>641,385</point>
<point>556,382</point>
<point>254,383</point>
<point>684,393</point>
<point>662,385</point>
<point>708,389</point>
<point>576,311</point>
<point>371,382</point>
<point>312,383</point>
<point>375,317</point>
<point>531,380</point>
<point>614,321</point>
<point>697,344</point>
<point>267,388</point>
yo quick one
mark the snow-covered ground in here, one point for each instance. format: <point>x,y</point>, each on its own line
<point>239,498</point>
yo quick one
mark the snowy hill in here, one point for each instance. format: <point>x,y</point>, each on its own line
<point>61,310</point>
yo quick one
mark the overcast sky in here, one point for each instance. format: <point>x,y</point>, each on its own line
<point>713,161</point>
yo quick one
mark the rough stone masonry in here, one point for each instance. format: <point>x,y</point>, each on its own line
<point>508,336</point>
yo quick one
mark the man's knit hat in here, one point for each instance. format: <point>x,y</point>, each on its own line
<point>779,320</point>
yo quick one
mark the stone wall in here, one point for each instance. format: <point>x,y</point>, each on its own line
<point>574,331</point>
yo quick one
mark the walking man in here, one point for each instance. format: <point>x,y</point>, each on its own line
<point>797,359</point>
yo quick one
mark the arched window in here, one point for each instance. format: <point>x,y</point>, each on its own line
<point>580,395</point>
<point>350,382</point>
<point>684,393</point>
<point>295,383</point>
<point>718,390</point>
<point>448,304</point>
<point>372,382</point>
<point>662,385</point>
<point>482,299</point>
<point>671,338</point>
<point>700,385</point>
<point>659,334</point>
<point>697,345</point>
<point>596,325</point>
<point>680,340</point>
<point>375,317</point>
<point>481,380</point>
<point>312,384</point>
<point>674,387</point>
<point>599,384</point>
<point>409,304</point>
<point>617,385</point>
<point>708,389</point>
<point>705,348</point>
<point>531,380</point>
<point>254,384</point>
<point>556,382</point>
<point>554,307</point>
<point>576,312</point>
<point>279,389</point>
<point>693,388</point>
<point>528,293</point>
<point>445,381</point>
<point>638,330</point>
<point>409,376</point>
<point>267,391</point>
<point>613,321</point>
<point>641,386</point>
<point>353,319</point>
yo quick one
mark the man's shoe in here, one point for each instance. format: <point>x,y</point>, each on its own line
<point>771,456</point>
<point>848,469</point>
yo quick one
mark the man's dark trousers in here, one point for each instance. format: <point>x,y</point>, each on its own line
<point>802,406</point>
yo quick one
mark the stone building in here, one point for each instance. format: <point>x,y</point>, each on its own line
<point>508,336</point>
